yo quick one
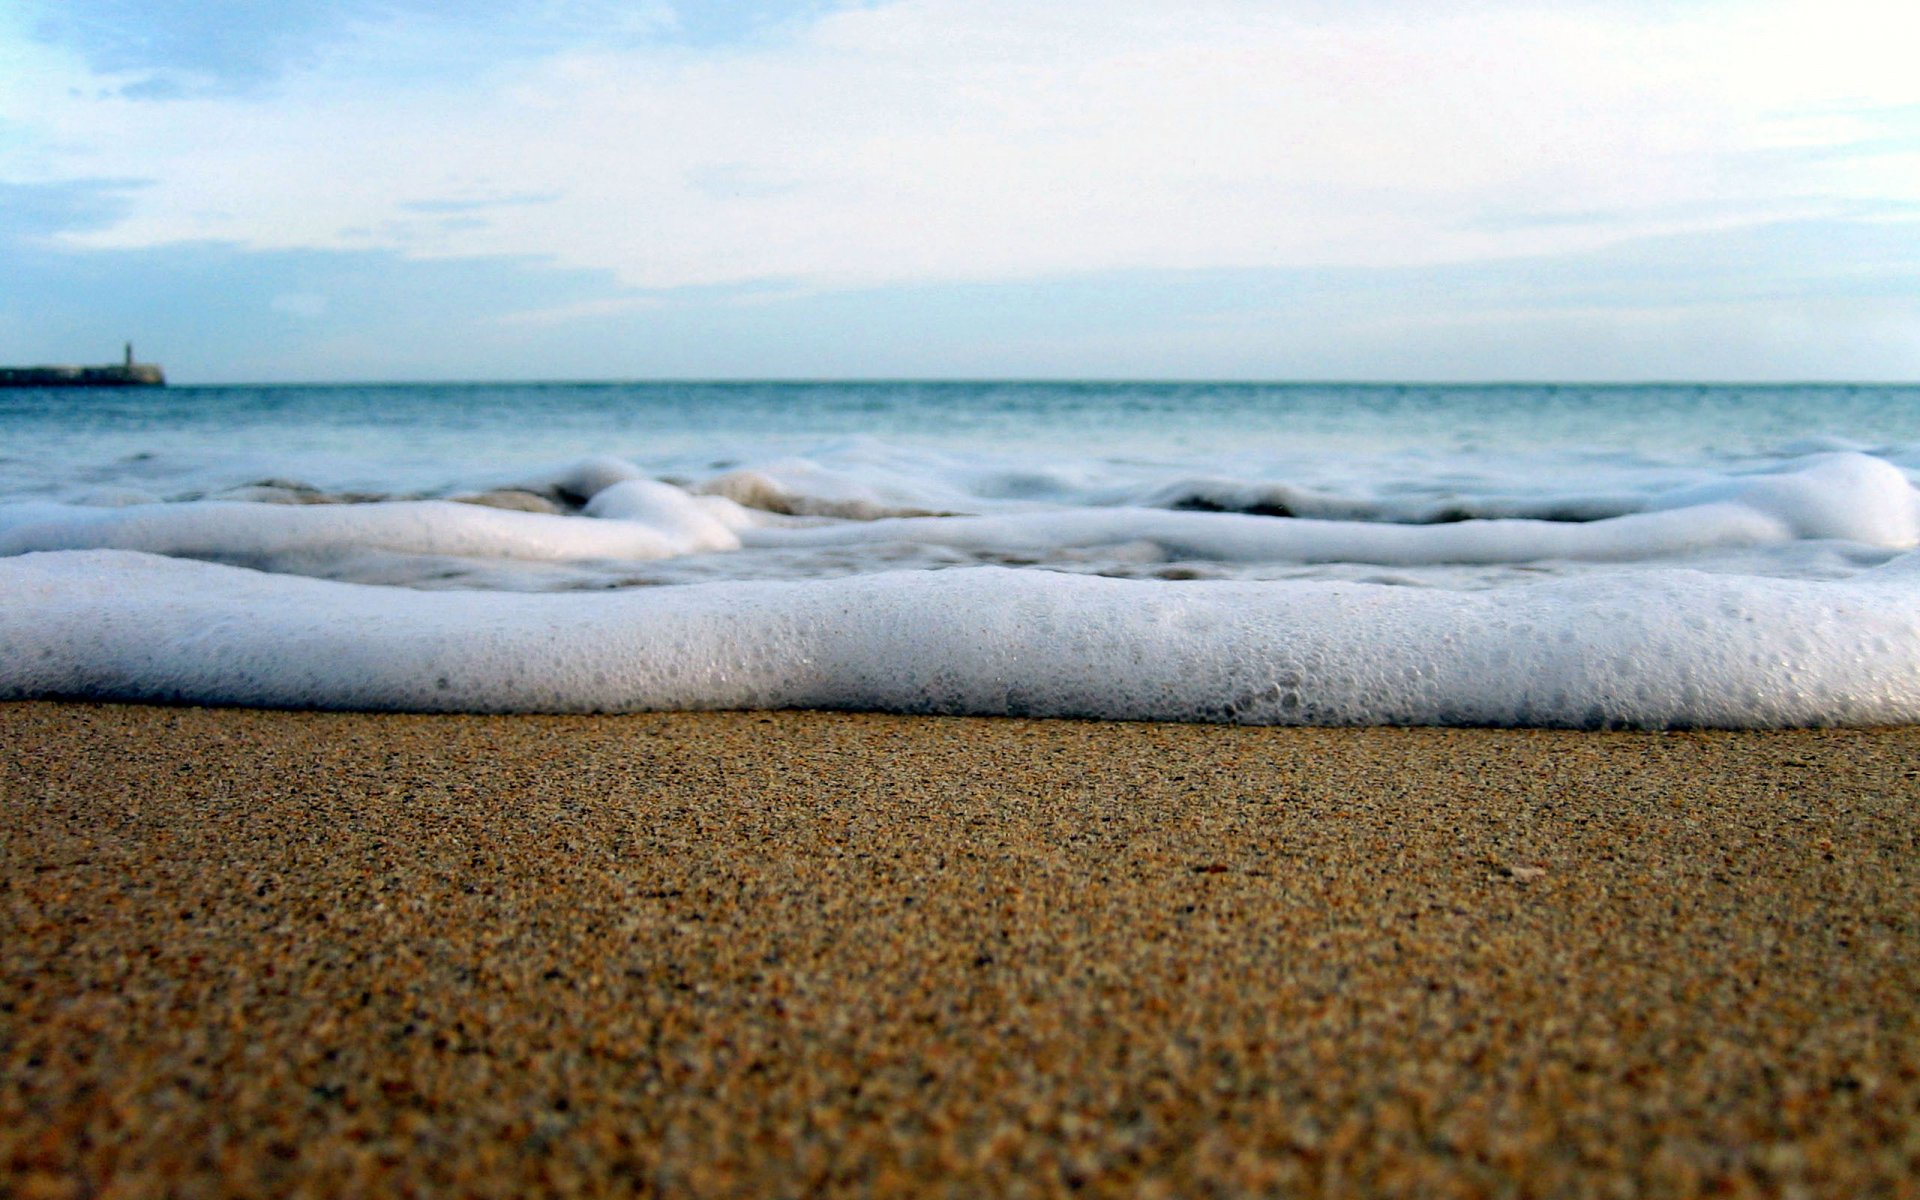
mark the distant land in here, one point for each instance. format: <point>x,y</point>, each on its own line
<point>126,373</point>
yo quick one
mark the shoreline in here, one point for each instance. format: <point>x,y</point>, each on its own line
<point>780,952</point>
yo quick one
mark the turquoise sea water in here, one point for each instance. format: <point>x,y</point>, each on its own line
<point>427,436</point>
<point>1390,452</point>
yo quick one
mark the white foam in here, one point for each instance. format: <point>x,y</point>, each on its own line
<point>1824,516</point>
<point>1234,537</point>
<point>693,524</point>
<point>248,531</point>
<point>1851,497</point>
<point>1843,496</point>
<point>1656,648</point>
<point>801,488</point>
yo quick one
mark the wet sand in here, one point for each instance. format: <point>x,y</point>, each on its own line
<point>786,954</point>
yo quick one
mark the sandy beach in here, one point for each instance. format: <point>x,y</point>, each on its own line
<point>275,953</point>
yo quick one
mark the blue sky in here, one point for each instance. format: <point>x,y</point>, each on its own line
<point>1448,189</point>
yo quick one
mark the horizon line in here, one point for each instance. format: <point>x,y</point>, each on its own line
<point>1044,380</point>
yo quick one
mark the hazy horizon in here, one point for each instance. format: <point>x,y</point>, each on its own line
<point>1015,380</point>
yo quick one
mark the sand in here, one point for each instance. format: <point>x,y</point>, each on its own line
<point>790,954</point>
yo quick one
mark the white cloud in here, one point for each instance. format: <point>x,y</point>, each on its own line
<point>927,140</point>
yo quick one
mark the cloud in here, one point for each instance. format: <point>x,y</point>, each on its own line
<point>451,205</point>
<point>573,313</point>
<point>988,139</point>
<point>41,210</point>
<point>231,42</point>
<point>212,312</point>
<point>1818,300</point>
<point>812,187</point>
<point>169,49</point>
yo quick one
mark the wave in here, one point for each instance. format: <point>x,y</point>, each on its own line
<point>204,601</point>
<point>619,515</point>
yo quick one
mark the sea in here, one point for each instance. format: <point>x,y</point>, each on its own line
<point>1620,556</point>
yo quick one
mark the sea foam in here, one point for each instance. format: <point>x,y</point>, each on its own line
<point>148,601</point>
<point>228,530</point>
<point>1850,497</point>
<point>1840,497</point>
<point>1662,648</point>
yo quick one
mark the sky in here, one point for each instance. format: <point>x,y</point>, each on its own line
<point>1211,189</point>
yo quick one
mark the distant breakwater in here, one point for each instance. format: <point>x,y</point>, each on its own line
<point>116,375</point>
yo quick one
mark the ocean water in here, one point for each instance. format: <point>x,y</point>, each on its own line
<point>1669,555</point>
